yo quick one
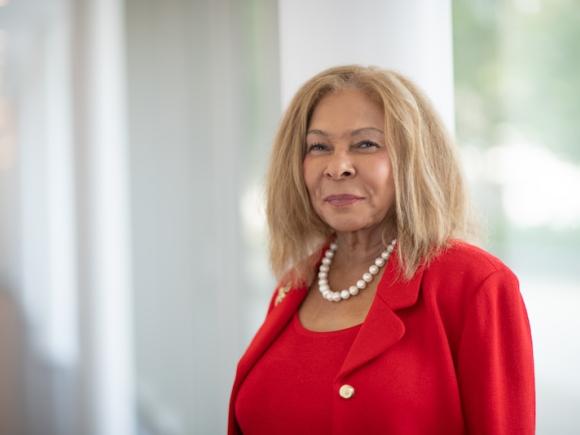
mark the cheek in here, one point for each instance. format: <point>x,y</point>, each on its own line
<point>309,174</point>
<point>380,175</point>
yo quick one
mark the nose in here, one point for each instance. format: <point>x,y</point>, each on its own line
<point>340,166</point>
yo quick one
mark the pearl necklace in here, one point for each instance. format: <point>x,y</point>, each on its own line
<point>353,290</point>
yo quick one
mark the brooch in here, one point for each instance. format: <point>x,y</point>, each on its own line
<point>282,292</point>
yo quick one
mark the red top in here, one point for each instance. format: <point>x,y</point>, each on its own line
<point>311,360</point>
<point>448,352</point>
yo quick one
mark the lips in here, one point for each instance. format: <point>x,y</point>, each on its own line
<point>342,199</point>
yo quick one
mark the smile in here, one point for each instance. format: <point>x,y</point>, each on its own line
<point>342,200</point>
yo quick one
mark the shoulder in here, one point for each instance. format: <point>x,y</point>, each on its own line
<point>464,278</point>
<point>462,260</point>
<point>461,269</point>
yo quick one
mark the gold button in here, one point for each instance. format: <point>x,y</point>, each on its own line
<point>346,391</point>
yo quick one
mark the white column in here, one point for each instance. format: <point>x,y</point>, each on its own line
<point>105,314</point>
<point>411,36</point>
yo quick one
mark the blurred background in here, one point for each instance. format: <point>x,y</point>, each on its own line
<point>134,138</point>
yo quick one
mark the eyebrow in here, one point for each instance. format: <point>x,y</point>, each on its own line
<point>352,133</point>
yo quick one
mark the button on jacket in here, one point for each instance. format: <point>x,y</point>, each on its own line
<point>447,352</point>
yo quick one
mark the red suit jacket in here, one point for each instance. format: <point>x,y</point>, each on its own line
<point>448,352</point>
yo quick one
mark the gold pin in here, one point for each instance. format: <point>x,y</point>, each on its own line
<point>282,292</point>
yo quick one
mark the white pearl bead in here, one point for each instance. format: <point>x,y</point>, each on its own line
<point>361,284</point>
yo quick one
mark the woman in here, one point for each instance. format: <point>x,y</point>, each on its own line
<point>385,321</point>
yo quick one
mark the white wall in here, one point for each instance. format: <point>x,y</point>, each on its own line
<point>203,103</point>
<point>66,267</point>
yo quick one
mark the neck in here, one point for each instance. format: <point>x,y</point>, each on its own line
<point>360,246</point>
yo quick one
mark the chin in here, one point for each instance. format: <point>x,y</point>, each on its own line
<point>344,226</point>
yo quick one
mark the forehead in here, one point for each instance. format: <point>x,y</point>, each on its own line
<point>346,110</point>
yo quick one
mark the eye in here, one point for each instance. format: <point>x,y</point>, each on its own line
<point>367,144</point>
<point>316,147</point>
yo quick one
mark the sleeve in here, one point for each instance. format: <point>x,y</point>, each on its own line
<point>495,360</point>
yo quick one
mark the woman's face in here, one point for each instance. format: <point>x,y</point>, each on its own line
<point>346,167</point>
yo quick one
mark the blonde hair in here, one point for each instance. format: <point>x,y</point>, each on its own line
<point>430,207</point>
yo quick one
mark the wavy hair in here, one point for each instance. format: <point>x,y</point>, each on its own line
<point>430,207</point>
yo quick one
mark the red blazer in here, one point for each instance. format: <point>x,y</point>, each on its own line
<point>448,352</point>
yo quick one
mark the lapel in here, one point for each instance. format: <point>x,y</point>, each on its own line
<point>381,329</point>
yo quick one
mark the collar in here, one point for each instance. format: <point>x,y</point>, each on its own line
<point>381,329</point>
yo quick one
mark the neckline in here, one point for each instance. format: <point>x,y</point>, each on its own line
<point>301,329</point>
